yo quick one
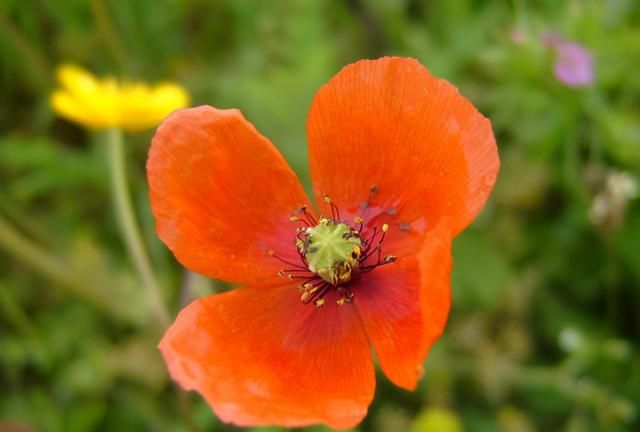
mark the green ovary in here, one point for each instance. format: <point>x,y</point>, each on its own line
<point>330,245</point>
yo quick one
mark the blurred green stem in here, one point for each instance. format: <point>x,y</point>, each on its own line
<point>108,31</point>
<point>129,227</point>
<point>32,57</point>
<point>12,311</point>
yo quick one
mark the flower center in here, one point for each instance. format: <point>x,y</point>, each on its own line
<point>331,249</point>
<point>333,254</point>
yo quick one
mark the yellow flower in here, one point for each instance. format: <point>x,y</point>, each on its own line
<point>105,103</point>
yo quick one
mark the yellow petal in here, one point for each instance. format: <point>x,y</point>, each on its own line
<point>143,108</point>
<point>81,98</point>
<point>67,107</point>
<point>103,103</point>
<point>72,77</point>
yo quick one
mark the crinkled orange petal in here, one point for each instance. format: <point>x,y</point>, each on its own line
<point>389,122</point>
<point>261,357</point>
<point>404,307</point>
<point>222,195</point>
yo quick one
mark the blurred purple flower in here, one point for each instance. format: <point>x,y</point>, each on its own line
<point>574,63</point>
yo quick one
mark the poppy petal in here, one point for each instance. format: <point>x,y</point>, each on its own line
<point>222,195</point>
<point>404,307</point>
<point>260,357</point>
<point>390,123</point>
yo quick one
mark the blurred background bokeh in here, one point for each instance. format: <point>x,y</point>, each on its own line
<point>544,330</point>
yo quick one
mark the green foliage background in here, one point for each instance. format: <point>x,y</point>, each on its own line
<point>544,329</point>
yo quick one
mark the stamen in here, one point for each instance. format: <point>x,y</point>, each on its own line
<point>385,228</point>
<point>359,222</point>
<point>307,290</point>
<point>335,212</point>
<point>333,253</point>
<point>379,252</point>
<point>308,282</point>
<point>297,219</point>
<point>292,271</point>
<point>313,293</point>
<point>310,217</point>
<point>294,277</point>
<point>369,242</point>
<point>370,250</point>
<point>307,217</point>
<point>364,206</point>
<point>273,254</point>
<point>346,295</point>
<point>376,249</point>
<point>386,260</point>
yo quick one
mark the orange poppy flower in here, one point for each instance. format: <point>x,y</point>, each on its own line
<point>400,162</point>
